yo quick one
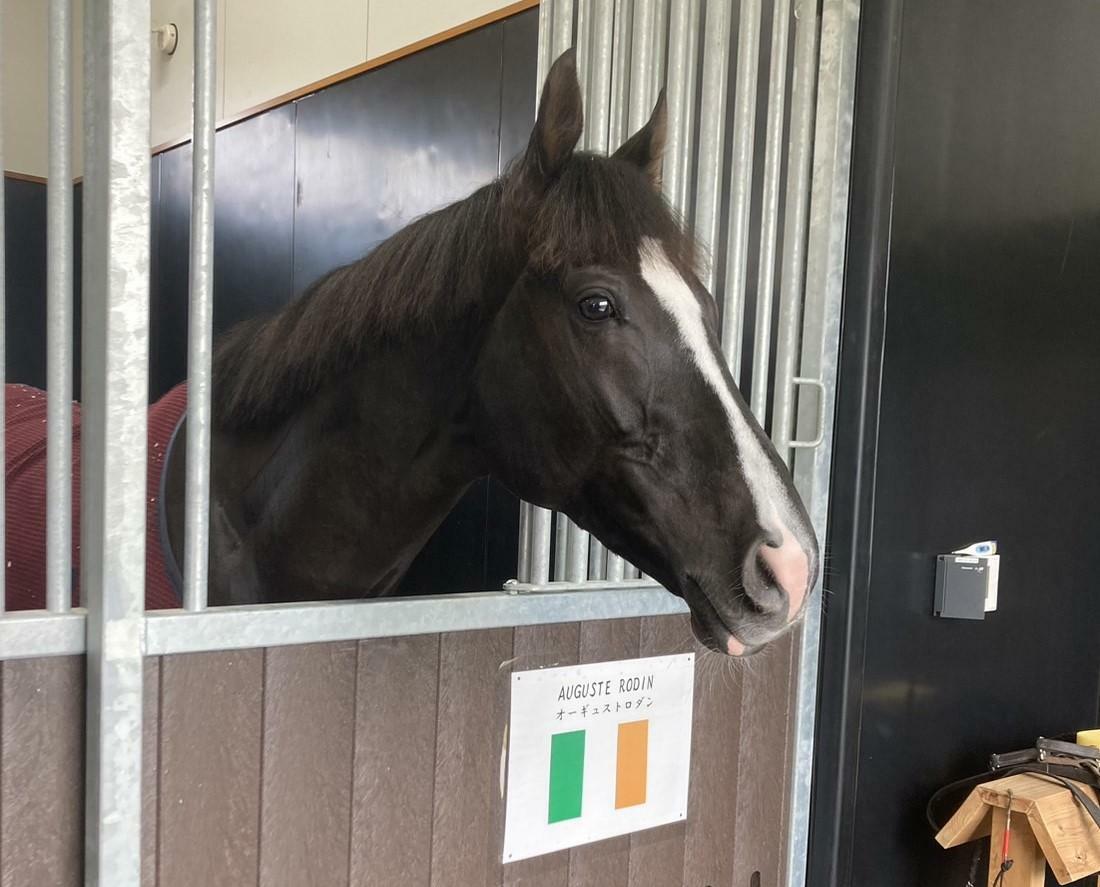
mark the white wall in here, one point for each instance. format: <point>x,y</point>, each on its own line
<point>266,48</point>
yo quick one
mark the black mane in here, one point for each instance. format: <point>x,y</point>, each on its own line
<point>431,273</point>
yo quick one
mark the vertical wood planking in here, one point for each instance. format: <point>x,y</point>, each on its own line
<point>150,769</point>
<point>395,739</point>
<point>715,744</point>
<point>41,772</point>
<point>606,863</point>
<point>468,820</point>
<point>210,765</point>
<point>543,646</point>
<point>657,855</point>
<point>309,728</point>
<point>762,777</point>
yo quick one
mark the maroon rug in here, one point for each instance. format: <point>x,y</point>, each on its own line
<point>25,472</point>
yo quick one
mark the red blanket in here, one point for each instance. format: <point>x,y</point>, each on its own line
<point>25,472</point>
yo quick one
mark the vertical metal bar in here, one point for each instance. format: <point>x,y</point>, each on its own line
<point>616,567</point>
<point>601,18</point>
<point>546,45</point>
<point>769,213</point>
<point>658,75</point>
<point>540,545</point>
<point>563,27</point>
<point>3,336</point>
<point>793,261</point>
<point>712,118</point>
<point>620,75</point>
<point>597,559</point>
<point>59,314</point>
<point>523,558</point>
<point>820,345</point>
<point>561,545</point>
<point>115,371</point>
<point>681,100</point>
<point>200,327</point>
<point>741,176</point>
<point>576,562</point>
<point>641,66</point>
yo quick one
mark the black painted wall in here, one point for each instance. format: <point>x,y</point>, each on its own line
<point>969,409</point>
<point>308,186</point>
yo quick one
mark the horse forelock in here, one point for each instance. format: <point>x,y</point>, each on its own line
<point>599,212</point>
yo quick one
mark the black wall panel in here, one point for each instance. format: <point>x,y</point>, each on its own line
<point>25,255</point>
<point>25,277</point>
<point>309,186</point>
<point>988,414</point>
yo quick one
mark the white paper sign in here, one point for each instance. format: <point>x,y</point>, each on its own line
<point>596,751</point>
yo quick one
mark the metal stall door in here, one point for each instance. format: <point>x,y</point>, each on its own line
<point>769,208</point>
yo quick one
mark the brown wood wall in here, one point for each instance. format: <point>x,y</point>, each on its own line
<point>379,763</point>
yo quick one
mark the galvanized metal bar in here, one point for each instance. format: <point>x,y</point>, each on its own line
<point>712,133</point>
<point>616,568</point>
<point>658,75</point>
<point>795,219</point>
<point>597,559</point>
<point>540,544</point>
<point>769,211</point>
<point>820,352</point>
<point>561,545</point>
<point>200,327</point>
<point>600,17</point>
<point>563,27</point>
<point>3,333</point>
<point>620,75</point>
<point>681,99</point>
<point>59,314</point>
<point>546,45</point>
<point>115,372</point>
<point>523,557</point>
<point>238,628</point>
<point>32,634</point>
<point>576,561</point>
<point>741,178</point>
<point>641,94</point>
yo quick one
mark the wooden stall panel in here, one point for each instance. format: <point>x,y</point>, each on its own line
<point>395,741</point>
<point>468,821</point>
<point>542,646</point>
<point>606,862</point>
<point>308,734</point>
<point>715,746</point>
<point>657,855</point>
<point>210,761</point>
<point>763,777</point>
<point>42,772</point>
<point>150,769</point>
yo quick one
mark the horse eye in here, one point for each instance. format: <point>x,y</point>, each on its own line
<point>596,306</point>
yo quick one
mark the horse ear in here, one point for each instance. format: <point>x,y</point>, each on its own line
<point>559,122</point>
<point>646,148</point>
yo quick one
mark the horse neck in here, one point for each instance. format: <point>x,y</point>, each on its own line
<point>349,490</point>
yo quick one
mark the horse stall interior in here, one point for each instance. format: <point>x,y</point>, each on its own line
<point>365,742</point>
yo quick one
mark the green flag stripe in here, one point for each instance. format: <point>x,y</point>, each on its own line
<point>566,775</point>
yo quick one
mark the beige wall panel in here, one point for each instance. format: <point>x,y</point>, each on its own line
<point>397,23</point>
<point>275,47</point>
<point>25,76</point>
<point>170,75</point>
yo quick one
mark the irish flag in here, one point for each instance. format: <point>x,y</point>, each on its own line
<point>596,751</point>
<point>567,770</point>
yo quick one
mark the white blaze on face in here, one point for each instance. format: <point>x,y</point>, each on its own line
<point>774,510</point>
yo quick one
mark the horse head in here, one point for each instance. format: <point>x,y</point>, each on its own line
<point>602,392</point>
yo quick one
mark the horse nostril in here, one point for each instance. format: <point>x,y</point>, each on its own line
<point>785,567</point>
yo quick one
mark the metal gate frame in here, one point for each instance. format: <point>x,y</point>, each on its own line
<point>625,48</point>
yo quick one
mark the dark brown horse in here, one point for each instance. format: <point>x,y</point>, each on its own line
<point>549,330</point>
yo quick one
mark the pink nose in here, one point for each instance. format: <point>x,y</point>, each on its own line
<point>790,567</point>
